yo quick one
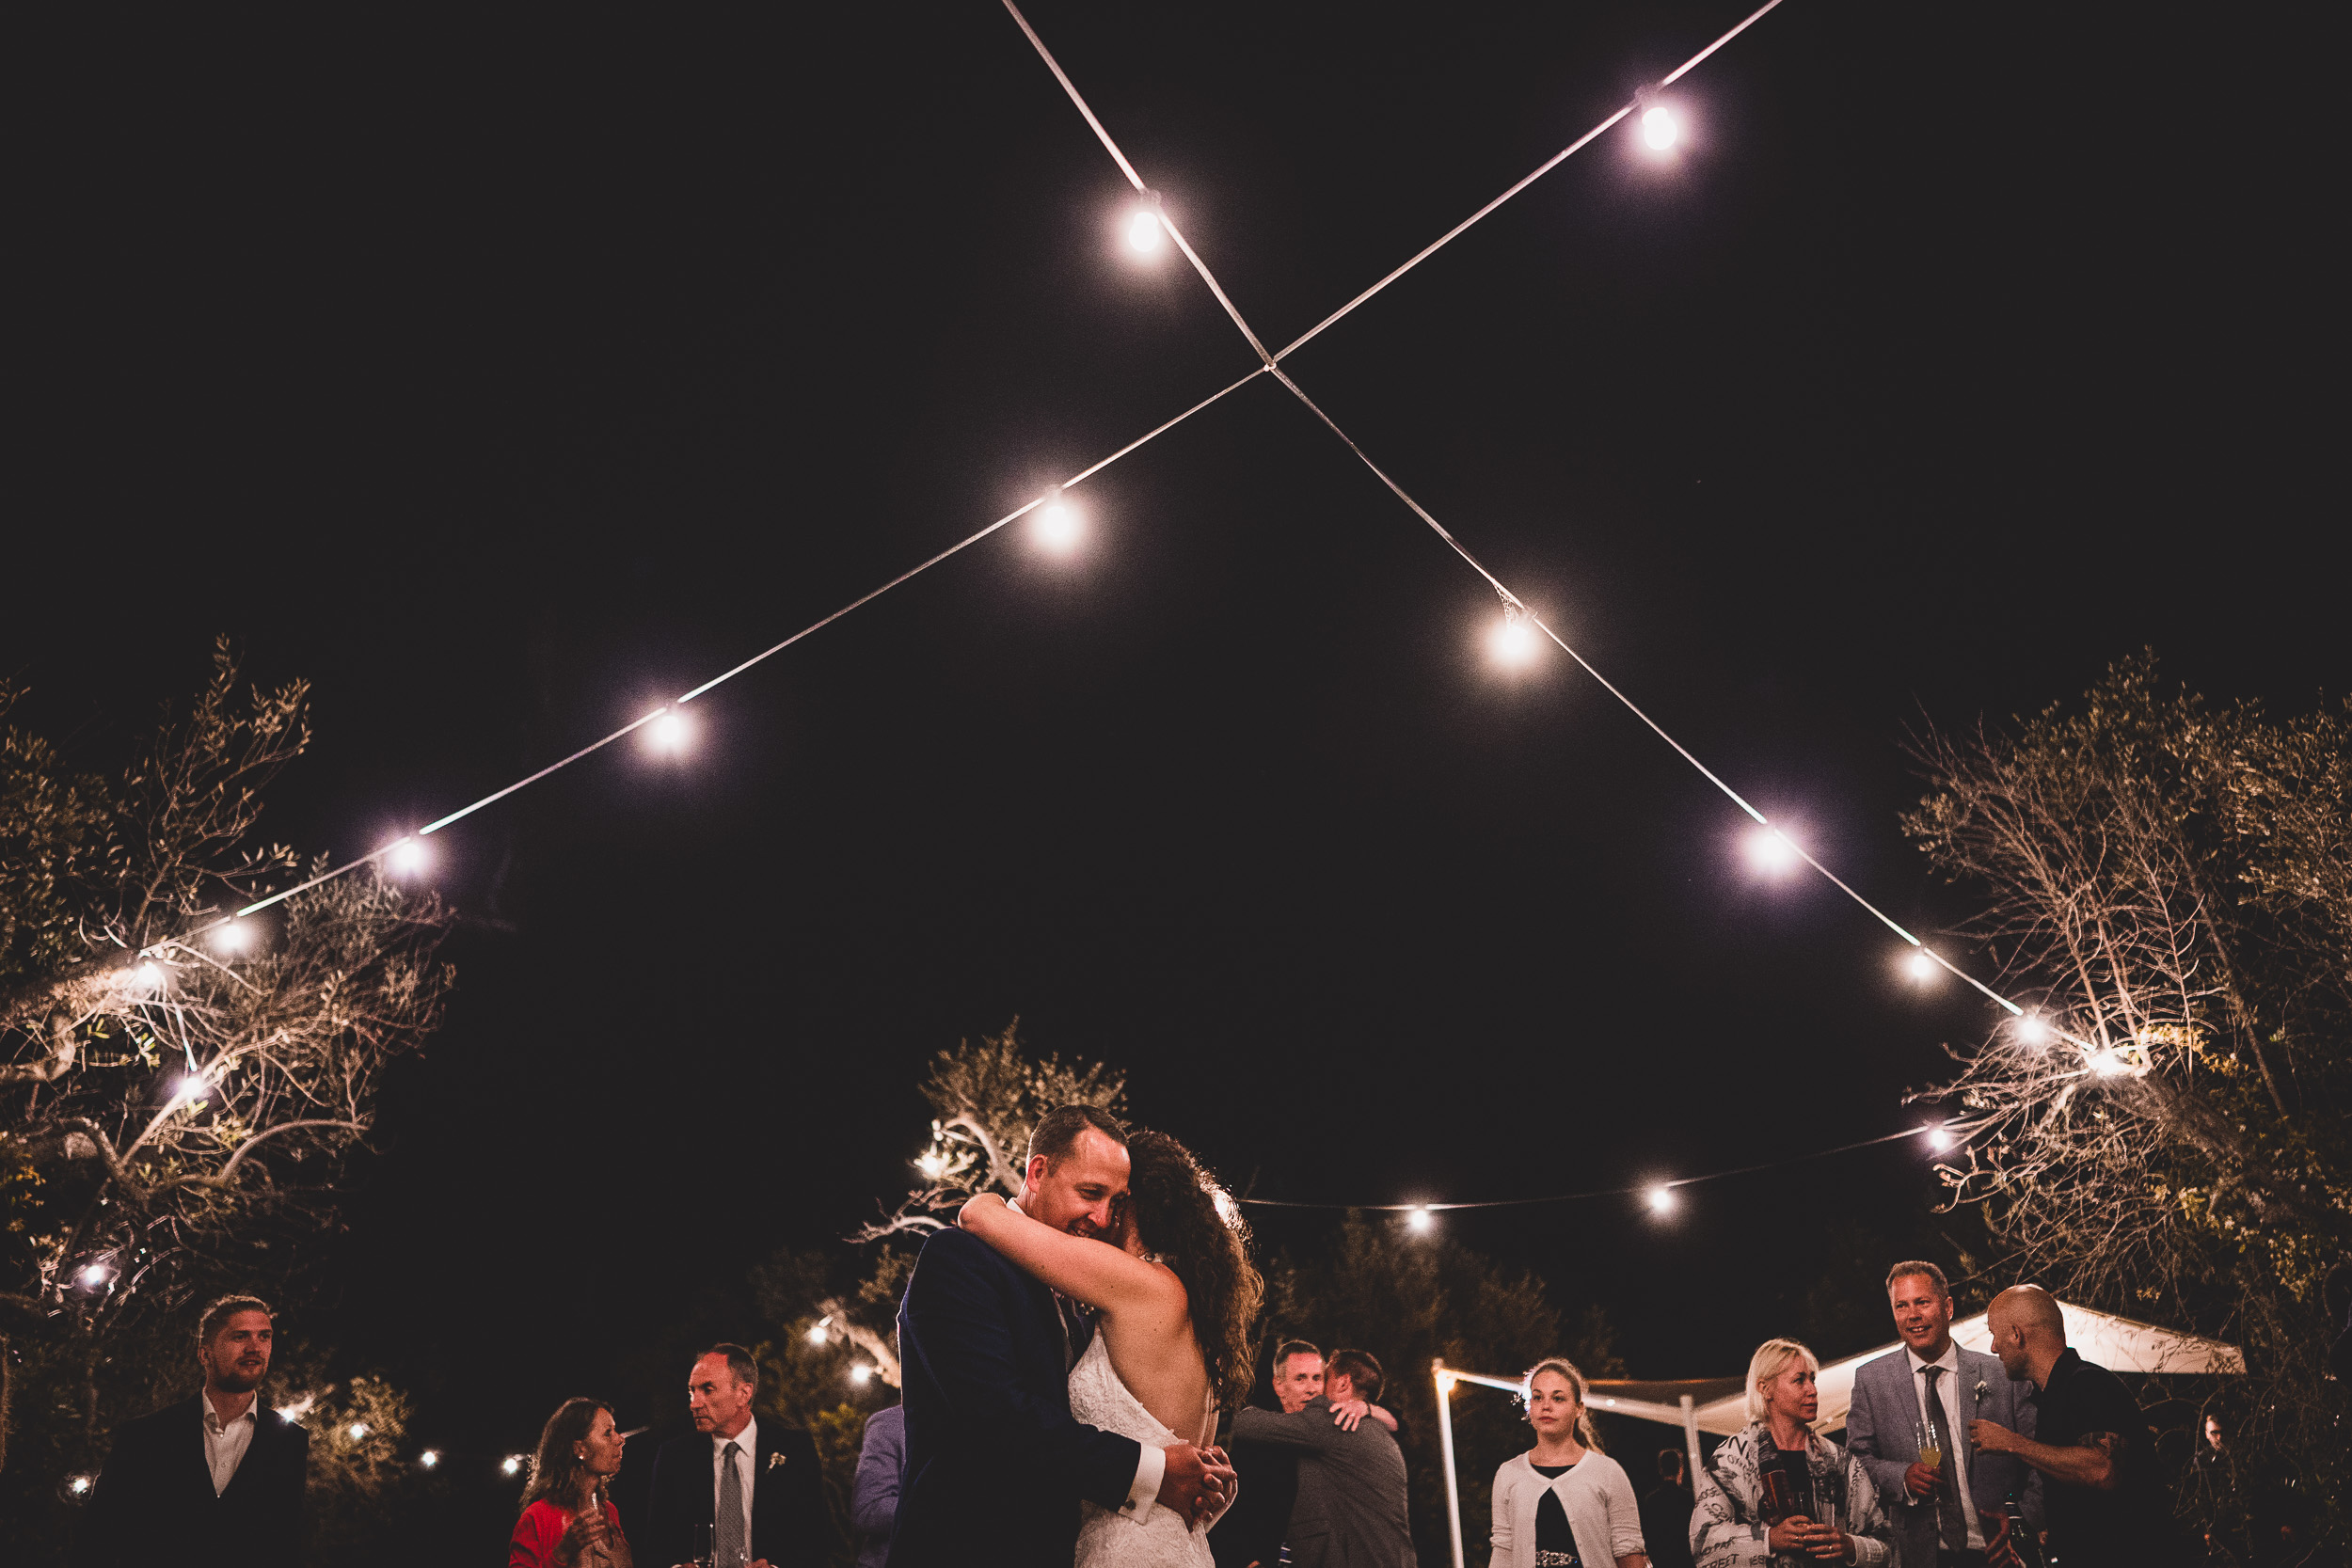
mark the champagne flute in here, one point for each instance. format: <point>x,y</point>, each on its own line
<point>1931,1438</point>
<point>702,1539</point>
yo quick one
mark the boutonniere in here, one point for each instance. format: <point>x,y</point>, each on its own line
<point>1981,1390</point>
<point>776,1459</point>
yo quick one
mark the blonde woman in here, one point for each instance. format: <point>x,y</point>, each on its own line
<point>1563,1503</point>
<point>1776,1493</point>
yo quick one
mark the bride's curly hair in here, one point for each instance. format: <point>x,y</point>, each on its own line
<point>1186,1219</point>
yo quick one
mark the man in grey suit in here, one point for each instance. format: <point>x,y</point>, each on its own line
<point>1350,1511</point>
<point>1937,1521</point>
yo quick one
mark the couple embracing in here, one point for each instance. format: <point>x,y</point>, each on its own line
<point>1064,1356</point>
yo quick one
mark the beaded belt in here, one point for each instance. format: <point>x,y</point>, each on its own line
<point>1558,1560</point>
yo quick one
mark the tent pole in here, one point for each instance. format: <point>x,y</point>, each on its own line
<point>1445,1448</point>
<point>1691,1438</point>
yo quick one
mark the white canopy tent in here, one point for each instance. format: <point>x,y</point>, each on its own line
<point>1720,1404</point>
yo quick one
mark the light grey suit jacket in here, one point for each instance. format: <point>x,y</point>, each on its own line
<point>1879,1432</point>
<point>1350,1511</point>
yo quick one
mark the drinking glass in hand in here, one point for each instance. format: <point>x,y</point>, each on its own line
<point>1931,1445</point>
<point>699,1541</point>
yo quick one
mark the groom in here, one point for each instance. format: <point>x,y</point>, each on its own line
<point>995,1464</point>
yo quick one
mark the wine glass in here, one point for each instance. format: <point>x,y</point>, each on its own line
<point>1930,1440</point>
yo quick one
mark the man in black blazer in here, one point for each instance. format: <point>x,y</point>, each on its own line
<point>774,1499</point>
<point>211,1481</point>
<point>995,1464</point>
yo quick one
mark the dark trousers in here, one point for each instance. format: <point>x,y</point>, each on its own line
<point>1957,1560</point>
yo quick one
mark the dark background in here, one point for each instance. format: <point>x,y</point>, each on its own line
<point>504,376</point>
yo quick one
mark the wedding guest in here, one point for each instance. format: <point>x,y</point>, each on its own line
<point>1350,1511</point>
<point>1950,1517</point>
<point>1250,1534</point>
<point>2101,1493</point>
<point>756,1488</point>
<point>1563,1501</point>
<point>1666,1513</point>
<point>566,1521</point>
<point>1757,1497</point>
<point>214,1479</point>
<point>874,1495</point>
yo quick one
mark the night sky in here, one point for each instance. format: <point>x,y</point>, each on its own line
<point>504,376</point>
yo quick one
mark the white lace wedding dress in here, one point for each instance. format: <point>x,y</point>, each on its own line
<point>1107,1540</point>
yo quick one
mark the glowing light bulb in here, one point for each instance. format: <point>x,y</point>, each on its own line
<point>669,733</point>
<point>860,1373</point>
<point>1059,527</point>
<point>513,1463</point>
<point>1445,1383</point>
<point>1921,966</point>
<point>1419,1220</point>
<point>1662,1199</point>
<point>408,857</point>
<point>235,937</point>
<point>358,1430</point>
<point>1938,1139</point>
<point>430,1458</point>
<point>147,976</point>
<point>78,1485</point>
<point>2109,1064</point>
<point>1145,233</point>
<point>1515,641</point>
<point>1770,851</point>
<point>817,1335</point>
<point>95,1275</point>
<point>190,1088</point>
<point>930,1164</point>
<point>1660,128</point>
<point>2031,1030</point>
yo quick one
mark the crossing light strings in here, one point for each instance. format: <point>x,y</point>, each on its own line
<point>1520,632</point>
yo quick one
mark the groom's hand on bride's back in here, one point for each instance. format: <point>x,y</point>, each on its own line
<point>1196,1482</point>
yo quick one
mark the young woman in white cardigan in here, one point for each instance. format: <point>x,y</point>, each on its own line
<point>1564,1504</point>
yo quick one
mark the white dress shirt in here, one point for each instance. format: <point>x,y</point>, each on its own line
<point>225,1442</point>
<point>1955,1431</point>
<point>746,1465</point>
<point>1151,1465</point>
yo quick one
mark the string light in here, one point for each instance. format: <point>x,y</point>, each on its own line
<point>95,1274</point>
<point>1659,129</point>
<point>860,1373</point>
<point>406,857</point>
<point>930,1164</point>
<point>1420,1221</point>
<point>2031,1030</point>
<point>1662,1199</point>
<point>358,1430</point>
<point>510,1463</point>
<point>234,937</point>
<point>190,1088</point>
<point>2107,1064</point>
<point>1922,966</point>
<point>817,1335</point>
<point>1770,852</point>
<point>80,1485</point>
<point>1513,642</point>
<point>1057,527</point>
<point>430,1458</point>
<point>147,976</point>
<point>1146,234</point>
<point>669,731</point>
<point>1938,1138</point>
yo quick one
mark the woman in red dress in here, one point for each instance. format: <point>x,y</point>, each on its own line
<point>566,1521</point>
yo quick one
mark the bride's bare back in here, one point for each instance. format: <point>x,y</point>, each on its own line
<point>1144,1318</point>
<point>1154,1354</point>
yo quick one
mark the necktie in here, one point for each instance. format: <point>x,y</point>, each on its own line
<point>1951,1525</point>
<point>734,1550</point>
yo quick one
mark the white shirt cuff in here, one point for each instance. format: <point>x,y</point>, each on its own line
<point>1150,1471</point>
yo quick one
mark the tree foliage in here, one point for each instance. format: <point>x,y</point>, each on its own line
<point>174,1110</point>
<point>2170,883</point>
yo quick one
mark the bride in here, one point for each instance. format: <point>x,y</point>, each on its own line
<point>1174,1295</point>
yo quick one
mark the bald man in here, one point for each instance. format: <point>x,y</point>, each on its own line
<point>2101,1493</point>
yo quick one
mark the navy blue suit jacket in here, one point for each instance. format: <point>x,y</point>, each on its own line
<point>995,1464</point>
